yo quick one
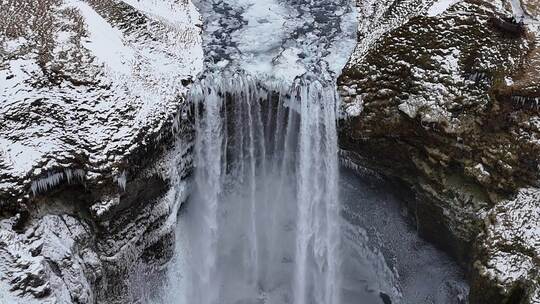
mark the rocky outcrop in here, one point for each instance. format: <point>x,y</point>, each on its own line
<point>444,99</point>
<point>88,88</point>
<point>95,144</point>
<point>77,248</point>
<point>509,250</point>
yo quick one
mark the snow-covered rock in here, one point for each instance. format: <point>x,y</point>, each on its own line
<point>92,106</point>
<point>510,249</point>
<point>52,261</point>
<point>76,248</point>
<point>89,86</point>
<point>447,92</point>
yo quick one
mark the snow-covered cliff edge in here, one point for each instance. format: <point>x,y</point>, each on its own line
<point>94,145</point>
<point>444,96</point>
<point>89,86</point>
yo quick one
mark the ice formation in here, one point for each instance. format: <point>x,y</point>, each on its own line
<point>54,179</point>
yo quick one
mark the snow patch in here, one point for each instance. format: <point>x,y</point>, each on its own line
<point>517,9</point>
<point>440,7</point>
<point>354,108</point>
<point>105,41</point>
<point>167,11</point>
<point>104,206</point>
<point>18,155</point>
<point>409,108</point>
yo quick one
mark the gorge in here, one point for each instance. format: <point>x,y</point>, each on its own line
<point>280,151</point>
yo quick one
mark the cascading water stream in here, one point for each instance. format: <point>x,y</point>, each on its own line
<point>318,210</point>
<point>263,222</point>
<point>264,225</point>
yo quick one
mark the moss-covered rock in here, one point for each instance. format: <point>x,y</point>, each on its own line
<point>446,102</point>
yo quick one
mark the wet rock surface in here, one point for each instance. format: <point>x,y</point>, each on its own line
<point>434,100</point>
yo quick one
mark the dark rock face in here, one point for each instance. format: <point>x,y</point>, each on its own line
<point>433,102</point>
<point>78,248</point>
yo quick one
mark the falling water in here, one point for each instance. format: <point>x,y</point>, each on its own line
<point>263,223</point>
<point>263,226</point>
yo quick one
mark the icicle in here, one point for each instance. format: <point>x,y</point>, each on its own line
<point>532,103</point>
<point>52,180</point>
<point>122,180</point>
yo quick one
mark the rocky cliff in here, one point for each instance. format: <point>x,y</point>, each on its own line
<point>444,96</point>
<point>96,137</point>
<point>94,143</point>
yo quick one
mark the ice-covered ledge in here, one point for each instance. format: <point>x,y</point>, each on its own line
<point>88,87</point>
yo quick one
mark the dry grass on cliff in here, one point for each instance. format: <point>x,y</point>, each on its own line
<point>529,78</point>
<point>34,29</point>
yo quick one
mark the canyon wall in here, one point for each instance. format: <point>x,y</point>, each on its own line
<point>445,99</point>
<point>96,136</point>
<point>95,144</point>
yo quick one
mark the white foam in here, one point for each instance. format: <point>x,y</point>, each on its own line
<point>251,168</point>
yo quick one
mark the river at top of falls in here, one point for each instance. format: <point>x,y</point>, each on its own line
<point>280,39</point>
<point>265,222</point>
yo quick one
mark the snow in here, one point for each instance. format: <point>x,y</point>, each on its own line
<point>276,38</point>
<point>508,81</point>
<point>105,41</point>
<point>167,11</point>
<point>29,257</point>
<point>104,206</point>
<point>381,17</point>
<point>120,84</point>
<point>512,240</point>
<point>481,169</point>
<point>509,267</point>
<point>409,108</point>
<point>19,156</point>
<point>440,7</point>
<point>354,108</point>
<point>517,9</point>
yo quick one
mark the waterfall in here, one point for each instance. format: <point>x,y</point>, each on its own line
<point>318,235</point>
<point>264,220</point>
